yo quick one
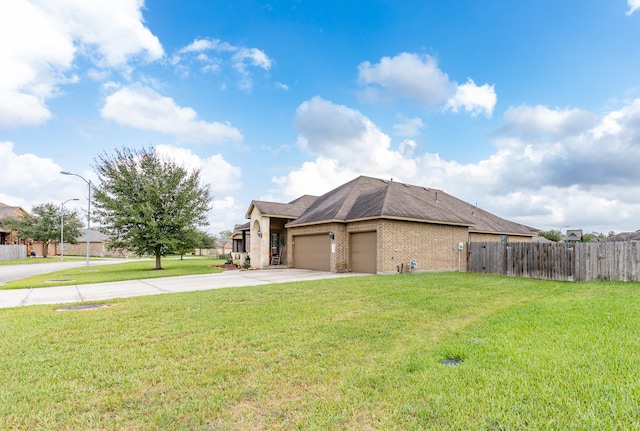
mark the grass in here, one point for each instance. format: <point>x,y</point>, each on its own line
<point>131,270</point>
<point>361,353</point>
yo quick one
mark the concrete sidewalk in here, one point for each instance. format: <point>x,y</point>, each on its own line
<point>156,286</point>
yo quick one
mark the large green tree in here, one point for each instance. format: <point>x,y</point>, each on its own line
<point>552,235</point>
<point>44,225</point>
<point>148,203</point>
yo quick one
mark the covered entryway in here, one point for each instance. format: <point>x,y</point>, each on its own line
<point>312,252</point>
<point>363,254</point>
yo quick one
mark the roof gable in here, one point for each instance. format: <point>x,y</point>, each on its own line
<point>11,211</point>
<point>289,210</point>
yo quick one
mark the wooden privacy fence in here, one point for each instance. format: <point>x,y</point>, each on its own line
<point>13,252</point>
<point>558,261</point>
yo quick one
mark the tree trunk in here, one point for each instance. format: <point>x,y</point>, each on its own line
<point>45,249</point>
<point>158,257</point>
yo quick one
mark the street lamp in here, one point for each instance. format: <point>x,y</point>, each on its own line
<point>88,207</point>
<point>562,236</point>
<point>62,226</point>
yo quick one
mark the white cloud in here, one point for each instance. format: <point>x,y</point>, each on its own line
<point>407,147</point>
<point>551,167</point>
<point>617,122</point>
<point>223,177</point>
<point>418,77</point>
<point>408,127</point>
<point>34,54</point>
<point>110,31</point>
<point>225,180</point>
<point>200,45</point>
<point>240,58</point>
<point>634,5</point>
<point>473,99</point>
<point>540,121</point>
<point>343,134</point>
<point>143,108</point>
<point>406,75</point>
<point>39,41</point>
<point>30,180</point>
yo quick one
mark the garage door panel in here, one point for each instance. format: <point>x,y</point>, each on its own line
<point>312,252</point>
<point>364,252</point>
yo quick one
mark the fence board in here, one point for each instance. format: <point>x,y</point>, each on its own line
<point>558,261</point>
<point>13,252</point>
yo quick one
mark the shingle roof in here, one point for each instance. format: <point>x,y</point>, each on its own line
<point>6,210</point>
<point>366,198</point>
<point>240,227</point>
<point>290,210</point>
<point>625,236</point>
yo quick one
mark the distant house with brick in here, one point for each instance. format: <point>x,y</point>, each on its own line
<point>371,225</point>
<point>97,245</point>
<point>6,235</point>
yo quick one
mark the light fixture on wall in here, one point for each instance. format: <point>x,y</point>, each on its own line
<point>259,233</point>
<point>331,236</point>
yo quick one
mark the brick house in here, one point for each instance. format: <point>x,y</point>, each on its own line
<point>7,236</point>
<point>371,225</point>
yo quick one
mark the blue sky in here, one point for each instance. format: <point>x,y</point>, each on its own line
<point>530,110</point>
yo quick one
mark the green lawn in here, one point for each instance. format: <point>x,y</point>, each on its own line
<point>129,270</point>
<point>361,353</point>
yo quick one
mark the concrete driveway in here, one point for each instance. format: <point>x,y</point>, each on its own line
<point>155,286</point>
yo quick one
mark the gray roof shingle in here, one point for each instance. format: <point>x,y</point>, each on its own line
<point>366,198</point>
<point>290,210</point>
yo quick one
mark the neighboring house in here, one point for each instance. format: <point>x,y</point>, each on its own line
<point>97,245</point>
<point>240,240</point>
<point>543,240</point>
<point>7,236</point>
<point>574,235</point>
<point>223,246</point>
<point>371,225</point>
<point>624,236</point>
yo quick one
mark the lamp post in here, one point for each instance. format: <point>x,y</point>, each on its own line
<point>88,207</point>
<point>62,226</point>
<point>562,236</point>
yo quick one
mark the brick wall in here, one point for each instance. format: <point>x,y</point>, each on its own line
<point>434,247</point>
<point>490,237</point>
